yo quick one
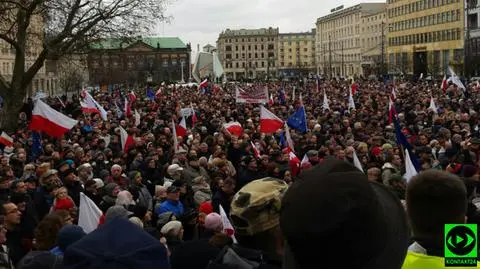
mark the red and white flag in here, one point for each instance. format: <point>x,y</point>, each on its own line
<point>203,84</point>
<point>269,123</point>
<point>132,96</point>
<point>234,128</point>
<point>90,105</point>
<point>294,163</point>
<point>158,94</point>
<point>394,94</point>
<point>127,110</point>
<point>270,100</point>
<point>6,140</point>
<point>126,139</point>
<point>137,118</point>
<point>255,150</point>
<point>227,226</point>
<point>194,116</point>
<point>392,111</point>
<point>354,88</point>
<point>288,137</point>
<point>181,128</point>
<point>305,161</point>
<point>444,85</point>
<point>88,214</point>
<point>50,121</point>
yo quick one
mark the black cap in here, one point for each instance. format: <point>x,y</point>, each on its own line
<point>335,204</point>
<point>172,189</point>
<point>179,183</point>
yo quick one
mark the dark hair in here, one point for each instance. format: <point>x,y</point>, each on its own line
<point>435,198</point>
<point>47,230</point>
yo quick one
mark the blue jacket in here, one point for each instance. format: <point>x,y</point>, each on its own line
<point>171,206</point>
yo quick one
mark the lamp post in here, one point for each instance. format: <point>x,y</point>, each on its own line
<point>182,62</point>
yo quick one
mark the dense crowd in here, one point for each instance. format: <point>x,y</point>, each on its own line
<point>169,203</point>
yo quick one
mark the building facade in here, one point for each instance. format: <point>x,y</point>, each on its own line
<point>425,36</point>
<point>143,60</point>
<point>373,43</point>
<point>43,81</point>
<point>296,54</point>
<point>248,53</point>
<point>472,43</point>
<point>338,39</point>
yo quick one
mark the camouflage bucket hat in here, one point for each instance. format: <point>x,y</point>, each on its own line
<point>256,207</point>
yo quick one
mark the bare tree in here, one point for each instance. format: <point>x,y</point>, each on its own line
<point>66,26</point>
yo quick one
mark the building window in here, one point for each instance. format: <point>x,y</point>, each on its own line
<point>446,59</point>
<point>458,54</point>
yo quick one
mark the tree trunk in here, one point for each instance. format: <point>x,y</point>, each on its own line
<point>9,115</point>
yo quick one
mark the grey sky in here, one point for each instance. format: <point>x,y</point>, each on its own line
<point>200,21</point>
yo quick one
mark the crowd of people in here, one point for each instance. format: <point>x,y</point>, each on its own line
<point>212,199</point>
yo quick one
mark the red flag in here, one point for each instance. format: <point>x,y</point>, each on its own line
<point>126,139</point>
<point>194,116</point>
<point>6,140</point>
<point>354,88</point>
<point>50,121</point>
<point>444,86</point>
<point>132,96</point>
<point>181,129</point>
<point>392,111</point>
<point>256,152</point>
<point>269,123</point>
<point>203,84</point>
<point>158,94</point>
<point>270,100</point>
<point>128,108</point>
<point>294,163</point>
<point>234,128</point>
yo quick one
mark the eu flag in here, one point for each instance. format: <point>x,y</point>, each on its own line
<point>298,120</point>
<point>36,145</point>
<point>402,140</point>
<point>283,140</point>
<point>150,94</point>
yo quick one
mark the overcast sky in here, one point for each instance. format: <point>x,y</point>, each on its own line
<point>201,21</point>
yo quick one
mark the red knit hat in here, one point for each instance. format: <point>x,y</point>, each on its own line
<point>206,208</point>
<point>64,204</point>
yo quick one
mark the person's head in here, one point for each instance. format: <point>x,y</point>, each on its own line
<point>255,214</point>
<point>175,171</point>
<point>47,230</point>
<point>213,222</point>
<point>135,177</point>
<point>181,185</point>
<point>12,215</point>
<point>228,186</point>
<point>68,235</point>
<point>124,198</point>
<point>116,171</point>
<point>117,211</point>
<point>397,161</point>
<point>335,203</point>
<point>173,229</point>
<point>18,186</point>
<point>173,193</point>
<point>373,174</point>
<point>193,161</point>
<point>435,198</point>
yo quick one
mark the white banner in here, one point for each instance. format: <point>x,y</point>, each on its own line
<point>186,112</point>
<point>251,96</point>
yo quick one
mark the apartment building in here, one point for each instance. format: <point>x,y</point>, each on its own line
<point>373,43</point>
<point>339,36</point>
<point>425,36</point>
<point>249,53</point>
<point>296,53</point>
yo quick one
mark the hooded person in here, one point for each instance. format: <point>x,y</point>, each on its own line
<point>201,191</point>
<point>363,222</point>
<point>111,193</point>
<point>67,235</point>
<point>105,249</point>
<point>144,197</point>
<point>255,216</point>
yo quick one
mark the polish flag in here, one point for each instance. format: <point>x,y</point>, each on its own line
<point>227,226</point>
<point>132,96</point>
<point>270,100</point>
<point>181,129</point>
<point>394,94</point>
<point>158,94</point>
<point>203,84</point>
<point>305,161</point>
<point>444,86</point>
<point>269,123</point>
<point>194,116</point>
<point>354,88</point>
<point>6,140</point>
<point>88,214</point>
<point>50,121</point>
<point>392,111</point>
<point>234,128</point>
<point>288,137</point>
<point>90,105</point>
<point>294,163</point>
<point>256,152</point>
<point>126,139</point>
<point>127,109</point>
<point>137,118</point>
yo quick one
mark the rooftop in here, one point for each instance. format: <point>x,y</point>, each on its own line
<point>247,32</point>
<point>160,42</point>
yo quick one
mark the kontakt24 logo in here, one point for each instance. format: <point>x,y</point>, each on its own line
<point>460,245</point>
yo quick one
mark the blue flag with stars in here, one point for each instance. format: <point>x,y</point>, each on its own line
<point>298,120</point>
<point>150,94</point>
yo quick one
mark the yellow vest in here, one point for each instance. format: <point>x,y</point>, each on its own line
<point>421,261</point>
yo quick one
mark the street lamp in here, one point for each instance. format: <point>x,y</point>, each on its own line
<point>182,63</point>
